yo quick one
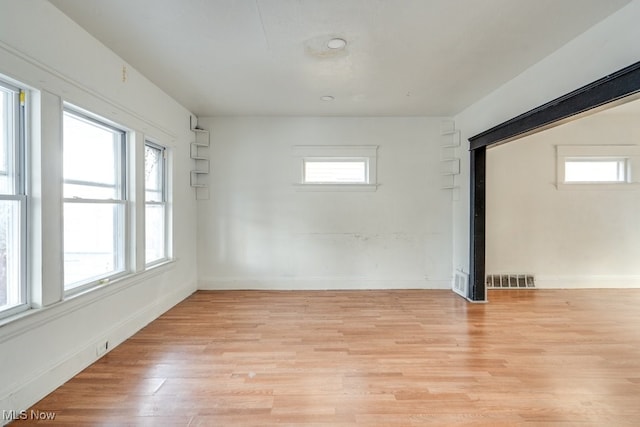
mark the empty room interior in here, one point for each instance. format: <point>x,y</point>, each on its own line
<point>319,212</point>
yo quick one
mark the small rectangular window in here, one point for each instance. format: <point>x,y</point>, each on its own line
<point>336,168</point>
<point>352,171</point>
<point>593,170</point>
<point>596,167</point>
<point>155,172</point>
<point>13,200</point>
<point>95,226</point>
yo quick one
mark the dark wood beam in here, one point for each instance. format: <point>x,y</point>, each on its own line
<point>608,89</point>
<point>477,290</point>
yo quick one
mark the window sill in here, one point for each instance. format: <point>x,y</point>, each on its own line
<point>335,187</point>
<point>117,280</point>
<point>159,263</point>
<point>624,186</point>
<point>95,282</point>
<point>34,317</point>
<point>13,312</point>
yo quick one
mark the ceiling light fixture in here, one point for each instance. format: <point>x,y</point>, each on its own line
<point>327,98</point>
<point>337,43</point>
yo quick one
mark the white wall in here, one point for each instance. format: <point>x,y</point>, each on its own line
<point>257,231</point>
<point>568,238</point>
<point>608,46</point>
<point>44,347</point>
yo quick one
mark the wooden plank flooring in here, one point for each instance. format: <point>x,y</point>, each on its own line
<point>380,358</point>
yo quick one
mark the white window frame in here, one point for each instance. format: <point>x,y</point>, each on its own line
<point>123,259</point>
<point>628,154</point>
<point>164,203</point>
<point>332,153</point>
<point>18,193</point>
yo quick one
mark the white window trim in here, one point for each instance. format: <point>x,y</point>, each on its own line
<point>164,204</point>
<point>630,153</point>
<point>369,153</point>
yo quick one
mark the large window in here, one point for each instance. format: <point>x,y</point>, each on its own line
<point>155,183</point>
<point>12,201</point>
<point>95,214</point>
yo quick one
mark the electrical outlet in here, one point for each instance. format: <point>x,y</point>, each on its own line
<point>102,348</point>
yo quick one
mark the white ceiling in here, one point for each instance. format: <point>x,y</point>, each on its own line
<point>269,57</point>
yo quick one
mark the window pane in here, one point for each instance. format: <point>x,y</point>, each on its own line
<point>155,211</point>
<point>91,155</point>
<point>7,138</point>
<point>93,241</point>
<point>10,254</point>
<point>3,132</point>
<point>335,171</point>
<point>153,173</point>
<point>595,170</point>
<point>155,233</point>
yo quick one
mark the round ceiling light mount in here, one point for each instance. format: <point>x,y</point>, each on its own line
<point>327,98</point>
<point>337,43</point>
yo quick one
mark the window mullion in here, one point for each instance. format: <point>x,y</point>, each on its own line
<point>18,197</point>
<point>96,201</point>
<point>90,183</point>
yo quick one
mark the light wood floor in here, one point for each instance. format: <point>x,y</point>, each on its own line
<point>383,358</point>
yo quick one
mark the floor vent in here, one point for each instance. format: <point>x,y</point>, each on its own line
<point>510,281</point>
<point>460,283</point>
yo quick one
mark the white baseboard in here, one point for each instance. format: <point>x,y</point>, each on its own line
<point>319,284</point>
<point>587,282</point>
<point>34,387</point>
